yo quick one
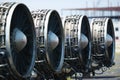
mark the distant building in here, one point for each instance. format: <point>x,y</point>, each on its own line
<point>116,24</point>
<point>101,12</point>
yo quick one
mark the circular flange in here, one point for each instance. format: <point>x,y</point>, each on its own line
<point>21,62</point>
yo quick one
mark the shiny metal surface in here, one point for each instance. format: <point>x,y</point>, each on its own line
<point>53,40</point>
<point>84,41</point>
<point>50,38</point>
<point>109,40</point>
<point>77,41</point>
<point>16,15</point>
<point>20,39</point>
<point>103,40</point>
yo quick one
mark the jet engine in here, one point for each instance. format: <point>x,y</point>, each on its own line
<point>103,43</point>
<point>77,44</point>
<point>50,42</point>
<point>17,41</point>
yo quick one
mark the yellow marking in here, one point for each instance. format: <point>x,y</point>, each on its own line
<point>68,78</point>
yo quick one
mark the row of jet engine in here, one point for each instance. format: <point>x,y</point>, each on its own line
<point>37,45</point>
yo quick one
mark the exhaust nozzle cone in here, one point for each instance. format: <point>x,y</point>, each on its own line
<point>53,40</point>
<point>20,40</point>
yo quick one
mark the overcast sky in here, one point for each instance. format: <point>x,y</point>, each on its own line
<point>60,4</point>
